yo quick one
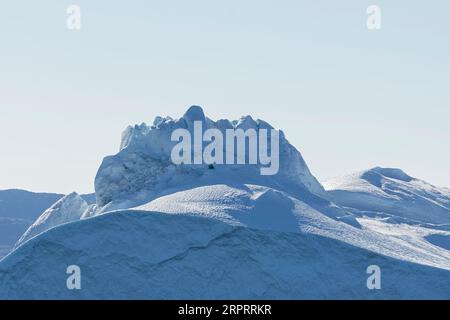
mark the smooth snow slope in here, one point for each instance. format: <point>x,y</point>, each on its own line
<point>145,255</point>
<point>393,194</point>
<point>19,209</point>
<point>67,209</point>
<point>264,208</point>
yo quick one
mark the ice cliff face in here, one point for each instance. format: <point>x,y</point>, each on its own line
<point>143,167</point>
<point>394,194</point>
<point>67,209</point>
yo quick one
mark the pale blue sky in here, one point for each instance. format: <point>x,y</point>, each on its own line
<point>346,97</point>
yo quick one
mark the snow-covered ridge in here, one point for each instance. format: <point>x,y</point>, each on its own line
<point>18,211</point>
<point>69,208</point>
<point>143,165</point>
<point>393,192</point>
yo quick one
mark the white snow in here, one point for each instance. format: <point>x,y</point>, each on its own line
<point>160,231</point>
<point>143,167</point>
<point>150,255</point>
<point>265,208</point>
<point>392,193</point>
<point>67,209</point>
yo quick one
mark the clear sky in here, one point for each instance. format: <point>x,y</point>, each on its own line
<point>346,97</point>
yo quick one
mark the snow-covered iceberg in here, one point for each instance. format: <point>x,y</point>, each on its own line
<point>143,170</point>
<point>161,231</point>
<point>393,194</point>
